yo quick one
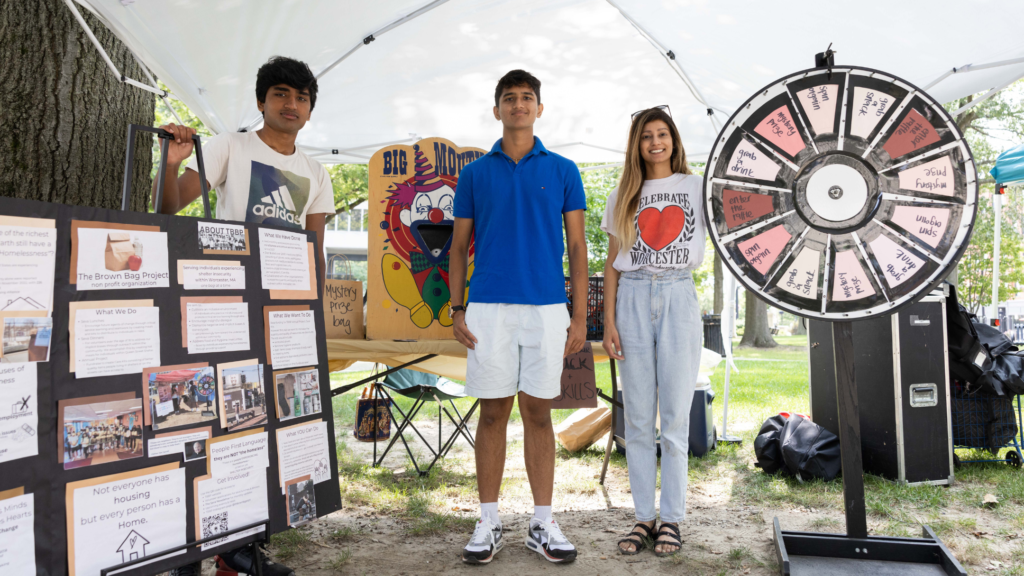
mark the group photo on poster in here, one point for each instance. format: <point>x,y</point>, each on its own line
<point>102,432</point>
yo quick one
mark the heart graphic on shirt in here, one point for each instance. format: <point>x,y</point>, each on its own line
<point>658,228</point>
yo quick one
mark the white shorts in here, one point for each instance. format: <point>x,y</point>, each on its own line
<point>519,349</point>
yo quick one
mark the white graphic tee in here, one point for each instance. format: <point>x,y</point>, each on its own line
<point>669,224</point>
<point>257,184</point>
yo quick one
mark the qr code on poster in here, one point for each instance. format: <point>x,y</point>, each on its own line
<point>215,524</point>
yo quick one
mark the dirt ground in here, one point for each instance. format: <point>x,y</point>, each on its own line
<point>719,535</point>
<point>393,522</point>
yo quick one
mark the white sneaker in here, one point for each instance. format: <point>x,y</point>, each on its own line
<point>484,544</point>
<point>545,538</point>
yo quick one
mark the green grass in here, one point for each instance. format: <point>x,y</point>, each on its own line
<point>758,391</point>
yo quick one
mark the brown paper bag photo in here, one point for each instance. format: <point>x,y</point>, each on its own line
<point>119,250</point>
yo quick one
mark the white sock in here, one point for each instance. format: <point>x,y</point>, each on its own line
<point>490,510</point>
<point>542,512</point>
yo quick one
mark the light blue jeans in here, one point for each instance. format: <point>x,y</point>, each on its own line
<point>659,328</point>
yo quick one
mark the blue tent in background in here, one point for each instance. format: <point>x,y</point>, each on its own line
<point>1009,167</point>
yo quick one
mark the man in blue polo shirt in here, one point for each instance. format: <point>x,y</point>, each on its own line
<point>517,327</point>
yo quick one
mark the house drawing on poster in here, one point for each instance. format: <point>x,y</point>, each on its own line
<point>23,303</point>
<point>133,547</point>
<point>419,221</point>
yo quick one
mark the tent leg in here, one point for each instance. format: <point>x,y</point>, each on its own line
<point>611,433</point>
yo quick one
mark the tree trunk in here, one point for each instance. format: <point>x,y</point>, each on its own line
<point>719,285</point>
<point>801,326</point>
<point>64,114</point>
<point>756,331</point>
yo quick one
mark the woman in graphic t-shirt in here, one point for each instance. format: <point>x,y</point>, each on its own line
<point>655,227</point>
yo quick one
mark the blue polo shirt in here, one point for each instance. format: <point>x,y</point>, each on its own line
<point>517,218</point>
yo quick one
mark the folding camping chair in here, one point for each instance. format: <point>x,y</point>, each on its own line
<point>422,388</point>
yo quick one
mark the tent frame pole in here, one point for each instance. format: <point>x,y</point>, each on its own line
<point>370,38</point>
<point>670,57</point>
<point>106,58</point>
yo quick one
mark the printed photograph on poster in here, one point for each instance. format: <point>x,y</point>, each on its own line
<point>110,259</point>
<point>182,397</point>
<point>195,450</point>
<point>122,517</point>
<point>297,392</point>
<point>19,415</point>
<point>28,253</point>
<point>26,340</point>
<point>222,238</point>
<point>244,400</point>
<point>102,432</point>
<point>17,525</point>
<point>301,501</point>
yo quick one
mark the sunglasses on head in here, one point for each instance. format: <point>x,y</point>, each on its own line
<point>663,107</point>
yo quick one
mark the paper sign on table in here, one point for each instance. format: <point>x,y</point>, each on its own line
<point>292,339</point>
<point>343,309</point>
<point>114,519</point>
<point>112,341</point>
<point>213,277</point>
<point>284,260</point>
<point>17,525</point>
<point>19,437</point>
<point>217,327</point>
<point>579,388</point>
<point>28,254</point>
<point>111,258</point>
<point>303,450</point>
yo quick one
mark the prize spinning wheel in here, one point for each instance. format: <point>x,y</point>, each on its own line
<point>840,194</point>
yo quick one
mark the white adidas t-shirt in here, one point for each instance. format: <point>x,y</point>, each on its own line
<point>669,223</point>
<point>256,184</point>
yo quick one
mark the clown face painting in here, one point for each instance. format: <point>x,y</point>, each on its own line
<point>408,295</point>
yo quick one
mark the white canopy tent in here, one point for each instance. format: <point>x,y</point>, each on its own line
<point>397,70</point>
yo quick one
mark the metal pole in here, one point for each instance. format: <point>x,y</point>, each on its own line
<point>727,324</point>
<point>997,201</point>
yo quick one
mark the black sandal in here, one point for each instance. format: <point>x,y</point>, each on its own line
<point>636,539</point>
<point>673,534</point>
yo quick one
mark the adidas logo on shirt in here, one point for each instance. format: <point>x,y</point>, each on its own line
<point>278,204</point>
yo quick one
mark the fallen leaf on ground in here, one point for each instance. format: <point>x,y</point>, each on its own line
<point>989,500</point>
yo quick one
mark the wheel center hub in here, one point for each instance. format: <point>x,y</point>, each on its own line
<point>836,191</point>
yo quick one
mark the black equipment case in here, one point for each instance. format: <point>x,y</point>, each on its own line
<point>902,369</point>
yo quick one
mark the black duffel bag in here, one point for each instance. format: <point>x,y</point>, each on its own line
<point>809,450</point>
<point>767,448</point>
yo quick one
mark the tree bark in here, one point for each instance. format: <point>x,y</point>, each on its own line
<point>756,331</point>
<point>64,114</point>
<point>719,285</point>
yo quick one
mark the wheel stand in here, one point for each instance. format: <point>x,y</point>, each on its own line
<point>855,552</point>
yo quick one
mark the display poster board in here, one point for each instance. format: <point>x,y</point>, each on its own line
<point>139,409</point>
<point>411,197</point>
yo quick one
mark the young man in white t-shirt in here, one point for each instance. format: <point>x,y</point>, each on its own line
<point>260,177</point>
